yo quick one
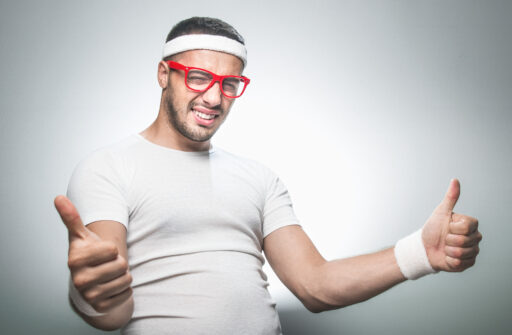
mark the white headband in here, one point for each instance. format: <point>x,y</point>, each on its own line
<point>208,42</point>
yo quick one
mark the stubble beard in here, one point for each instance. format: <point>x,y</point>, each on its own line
<point>197,135</point>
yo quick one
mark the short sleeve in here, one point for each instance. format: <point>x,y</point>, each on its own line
<point>97,191</point>
<point>278,210</point>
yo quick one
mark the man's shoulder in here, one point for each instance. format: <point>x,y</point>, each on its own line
<point>110,154</point>
<point>244,163</point>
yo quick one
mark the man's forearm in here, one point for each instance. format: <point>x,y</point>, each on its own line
<point>113,320</point>
<point>344,282</point>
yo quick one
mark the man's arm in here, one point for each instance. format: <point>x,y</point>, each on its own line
<point>323,285</point>
<point>99,269</point>
<point>450,240</point>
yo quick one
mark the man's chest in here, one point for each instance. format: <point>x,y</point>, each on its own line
<point>186,202</point>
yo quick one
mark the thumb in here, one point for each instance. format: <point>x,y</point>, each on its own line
<point>451,197</point>
<point>70,217</point>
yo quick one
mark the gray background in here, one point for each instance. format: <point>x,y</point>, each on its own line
<point>366,109</point>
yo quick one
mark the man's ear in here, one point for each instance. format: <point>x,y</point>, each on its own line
<point>163,74</point>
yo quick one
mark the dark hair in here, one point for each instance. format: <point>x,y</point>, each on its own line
<point>204,25</point>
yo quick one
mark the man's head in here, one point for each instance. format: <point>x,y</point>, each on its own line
<point>210,44</point>
<point>204,25</point>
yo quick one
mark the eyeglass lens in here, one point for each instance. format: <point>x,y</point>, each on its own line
<point>200,80</point>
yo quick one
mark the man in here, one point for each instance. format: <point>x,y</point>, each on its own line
<point>176,227</point>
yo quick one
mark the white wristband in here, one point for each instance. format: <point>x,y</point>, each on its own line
<point>80,303</point>
<point>411,256</point>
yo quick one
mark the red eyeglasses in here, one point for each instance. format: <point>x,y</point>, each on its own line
<point>200,80</point>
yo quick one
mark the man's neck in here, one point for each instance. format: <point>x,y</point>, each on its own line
<point>169,138</point>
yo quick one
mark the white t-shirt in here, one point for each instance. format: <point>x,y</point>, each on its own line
<point>195,227</point>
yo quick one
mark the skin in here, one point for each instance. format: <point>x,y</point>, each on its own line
<point>97,260</point>
<point>175,126</point>
<point>98,252</point>
<point>451,241</point>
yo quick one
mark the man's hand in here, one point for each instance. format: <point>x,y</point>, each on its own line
<point>451,240</point>
<point>98,271</point>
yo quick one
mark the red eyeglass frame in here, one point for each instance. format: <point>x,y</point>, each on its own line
<point>215,78</point>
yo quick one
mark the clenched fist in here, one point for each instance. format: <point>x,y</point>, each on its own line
<point>98,271</point>
<point>451,240</point>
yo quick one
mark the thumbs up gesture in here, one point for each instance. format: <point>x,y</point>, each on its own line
<point>98,271</point>
<point>450,239</point>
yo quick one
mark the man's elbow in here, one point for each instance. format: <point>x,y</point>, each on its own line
<point>316,300</point>
<point>317,306</point>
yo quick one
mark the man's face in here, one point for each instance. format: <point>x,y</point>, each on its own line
<point>198,115</point>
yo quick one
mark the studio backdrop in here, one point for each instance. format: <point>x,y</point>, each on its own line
<point>365,109</point>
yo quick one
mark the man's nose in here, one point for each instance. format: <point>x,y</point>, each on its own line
<point>213,95</point>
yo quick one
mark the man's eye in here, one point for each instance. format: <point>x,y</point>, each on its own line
<point>231,84</point>
<point>196,76</point>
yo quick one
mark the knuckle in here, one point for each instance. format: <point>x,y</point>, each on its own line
<point>101,306</point>
<point>455,263</point>
<point>80,282</point>
<point>129,278</point>
<point>72,263</point>
<point>123,264</point>
<point>465,228</point>
<point>460,240</point>
<point>91,295</point>
<point>111,249</point>
<point>107,248</point>
<point>74,260</point>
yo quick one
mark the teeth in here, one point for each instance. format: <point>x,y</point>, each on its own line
<point>205,116</point>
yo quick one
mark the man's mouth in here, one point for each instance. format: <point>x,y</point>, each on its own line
<point>203,116</point>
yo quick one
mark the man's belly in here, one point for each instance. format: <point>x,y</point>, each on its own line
<point>219,292</point>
